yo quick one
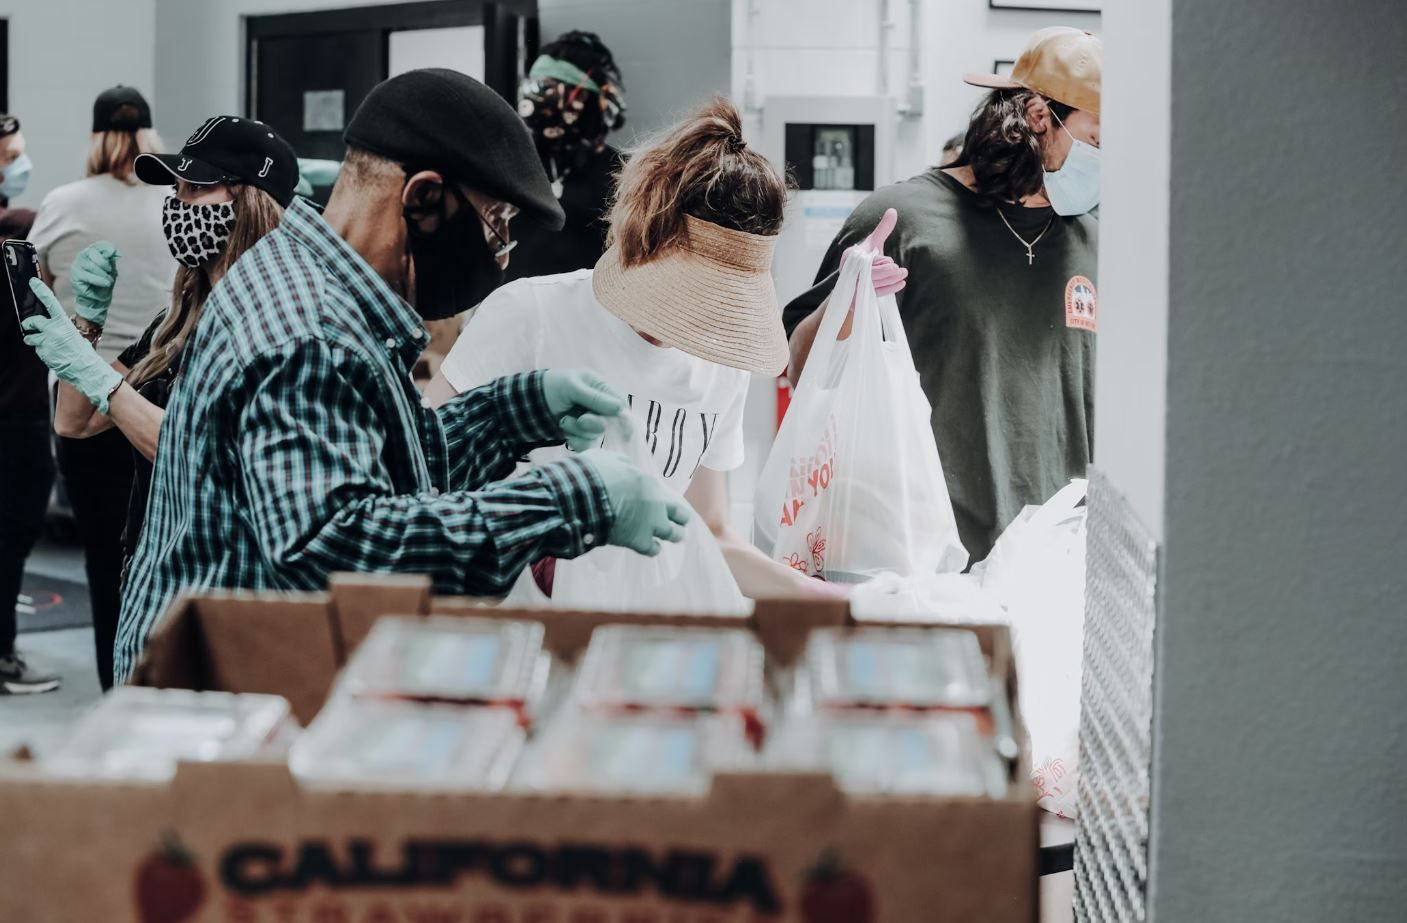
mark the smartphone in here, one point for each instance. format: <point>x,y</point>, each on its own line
<point>21,265</point>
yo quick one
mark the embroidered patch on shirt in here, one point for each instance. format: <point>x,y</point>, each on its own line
<point>1081,304</point>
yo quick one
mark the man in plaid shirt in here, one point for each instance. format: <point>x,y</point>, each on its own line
<point>295,444</point>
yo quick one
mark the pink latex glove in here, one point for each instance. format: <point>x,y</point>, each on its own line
<point>888,276</point>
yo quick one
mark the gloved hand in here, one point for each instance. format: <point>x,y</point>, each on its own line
<point>582,402</point>
<point>319,172</point>
<point>645,511</point>
<point>62,348</point>
<point>93,275</point>
<point>889,277</point>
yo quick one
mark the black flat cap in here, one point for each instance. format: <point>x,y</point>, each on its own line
<point>442,120</point>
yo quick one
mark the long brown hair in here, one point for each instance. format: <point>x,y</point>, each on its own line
<point>256,214</point>
<point>112,152</point>
<point>1007,158</point>
<point>700,167</point>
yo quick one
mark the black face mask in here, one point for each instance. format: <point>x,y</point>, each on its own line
<point>454,267</point>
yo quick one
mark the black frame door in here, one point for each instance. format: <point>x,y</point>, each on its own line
<point>509,25</point>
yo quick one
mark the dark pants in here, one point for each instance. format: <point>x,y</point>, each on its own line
<point>26,476</point>
<point>98,476</point>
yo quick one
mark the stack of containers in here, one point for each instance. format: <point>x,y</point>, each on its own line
<point>141,734</point>
<point>440,703</point>
<point>909,711</point>
<point>654,710</point>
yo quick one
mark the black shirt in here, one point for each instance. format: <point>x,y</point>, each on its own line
<point>157,390</point>
<point>24,379</point>
<point>1004,347</point>
<point>586,194</point>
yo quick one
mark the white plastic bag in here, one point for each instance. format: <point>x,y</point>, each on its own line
<point>689,577</point>
<point>925,598</point>
<point>853,486</point>
<point>1036,571</point>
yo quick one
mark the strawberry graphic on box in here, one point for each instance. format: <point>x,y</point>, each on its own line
<point>169,888</point>
<point>833,894</point>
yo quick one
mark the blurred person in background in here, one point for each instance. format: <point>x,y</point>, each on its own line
<point>1000,308</point>
<point>952,150</point>
<point>229,186</point>
<point>573,97</point>
<point>109,204</point>
<point>675,316</point>
<point>26,465</point>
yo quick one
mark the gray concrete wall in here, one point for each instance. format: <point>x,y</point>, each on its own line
<point>1282,720</point>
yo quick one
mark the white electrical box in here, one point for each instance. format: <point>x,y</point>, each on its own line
<point>838,149</point>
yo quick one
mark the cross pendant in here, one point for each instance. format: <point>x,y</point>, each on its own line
<point>1030,257</point>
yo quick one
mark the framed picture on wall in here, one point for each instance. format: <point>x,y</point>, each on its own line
<point>1049,6</point>
<point>1002,67</point>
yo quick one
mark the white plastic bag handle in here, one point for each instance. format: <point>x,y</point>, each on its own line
<point>854,271</point>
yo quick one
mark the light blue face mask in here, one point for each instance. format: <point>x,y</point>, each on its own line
<point>16,177</point>
<point>1074,188</point>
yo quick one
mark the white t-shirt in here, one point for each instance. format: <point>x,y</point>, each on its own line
<point>689,409</point>
<point>105,208</point>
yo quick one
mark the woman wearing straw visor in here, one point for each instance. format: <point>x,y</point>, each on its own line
<point>676,314</point>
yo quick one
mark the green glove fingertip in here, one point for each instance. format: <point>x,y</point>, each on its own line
<point>47,298</point>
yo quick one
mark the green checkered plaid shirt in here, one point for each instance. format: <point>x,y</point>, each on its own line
<point>295,445</point>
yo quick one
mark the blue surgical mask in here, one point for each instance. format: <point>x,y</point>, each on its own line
<point>1074,188</point>
<point>16,177</point>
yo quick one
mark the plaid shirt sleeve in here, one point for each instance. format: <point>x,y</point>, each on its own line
<point>319,498</point>
<point>487,429</point>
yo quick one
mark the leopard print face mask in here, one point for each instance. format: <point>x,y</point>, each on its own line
<point>196,233</point>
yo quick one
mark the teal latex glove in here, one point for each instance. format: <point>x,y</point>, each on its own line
<point>581,402</point>
<point>645,512</point>
<point>318,172</point>
<point>62,348</point>
<point>93,275</point>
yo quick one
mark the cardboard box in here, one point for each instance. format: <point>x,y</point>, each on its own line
<point>757,848</point>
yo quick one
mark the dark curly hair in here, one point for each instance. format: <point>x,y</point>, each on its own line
<point>586,51</point>
<point>1004,153</point>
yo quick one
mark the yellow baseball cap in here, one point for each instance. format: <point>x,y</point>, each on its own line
<point>1060,63</point>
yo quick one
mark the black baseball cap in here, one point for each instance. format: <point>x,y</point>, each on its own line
<point>121,109</point>
<point>227,149</point>
<point>442,120</point>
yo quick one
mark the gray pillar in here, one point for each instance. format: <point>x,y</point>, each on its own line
<point>1253,411</point>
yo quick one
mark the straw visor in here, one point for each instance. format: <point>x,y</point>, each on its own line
<point>711,297</point>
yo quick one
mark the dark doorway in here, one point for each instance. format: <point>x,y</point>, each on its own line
<point>306,73</point>
<point>4,65</point>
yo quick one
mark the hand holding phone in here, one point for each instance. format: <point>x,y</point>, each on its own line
<point>63,349</point>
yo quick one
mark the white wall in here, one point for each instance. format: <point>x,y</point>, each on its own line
<point>1131,377</point>
<point>831,47</point>
<point>63,53</point>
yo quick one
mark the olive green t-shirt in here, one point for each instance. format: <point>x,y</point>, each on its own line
<point>1004,347</point>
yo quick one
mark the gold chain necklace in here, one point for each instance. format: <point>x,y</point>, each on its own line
<point>1029,244</point>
